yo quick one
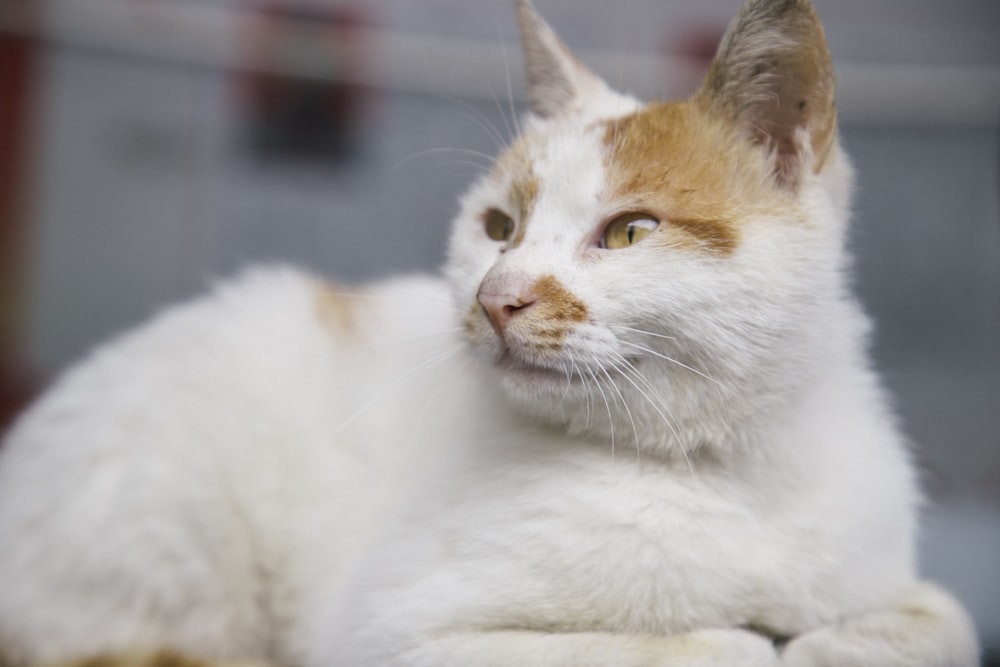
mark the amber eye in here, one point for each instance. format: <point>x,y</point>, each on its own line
<point>628,229</point>
<point>499,225</point>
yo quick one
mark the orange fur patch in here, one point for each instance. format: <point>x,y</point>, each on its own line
<point>691,170</point>
<point>516,163</point>
<point>554,313</point>
<point>556,303</point>
<point>335,309</point>
<point>475,322</point>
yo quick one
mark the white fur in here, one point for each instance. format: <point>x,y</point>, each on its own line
<point>242,479</point>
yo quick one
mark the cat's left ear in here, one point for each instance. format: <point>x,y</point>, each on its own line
<point>556,79</point>
<point>773,76</point>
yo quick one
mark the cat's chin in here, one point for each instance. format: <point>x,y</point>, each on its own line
<point>548,393</point>
<point>532,375</point>
<point>530,382</point>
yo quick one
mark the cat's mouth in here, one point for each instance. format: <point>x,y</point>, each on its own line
<point>563,372</point>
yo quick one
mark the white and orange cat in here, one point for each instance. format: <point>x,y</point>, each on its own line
<point>634,424</point>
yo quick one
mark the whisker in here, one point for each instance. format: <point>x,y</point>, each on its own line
<point>438,151</point>
<point>628,411</point>
<point>643,331</point>
<point>618,102</point>
<point>633,371</point>
<point>433,396</point>
<point>570,371</point>
<point>510,89</point>
<point>414,337</point>
<point>590,399</point>
<point>673,361</point>
<point>624,372</point>
<point>611,418</point>
<point>483,121</point>
<point>624,362</point>
<point>428,363</point>
<point>480,168</point>
<point>376,294</point>
<point>500,110</point>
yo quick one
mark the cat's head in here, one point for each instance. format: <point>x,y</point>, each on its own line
<point>665,271</point>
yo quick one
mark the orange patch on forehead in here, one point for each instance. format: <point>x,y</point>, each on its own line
<point>694,172</point>
<point>515,165</point>
<point>524,192</point>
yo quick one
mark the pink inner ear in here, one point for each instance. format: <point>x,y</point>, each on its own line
<point>773,75</point>
<point>801,99</point>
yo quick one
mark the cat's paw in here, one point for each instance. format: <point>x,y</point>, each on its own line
<point>926,627</point>
<point>831,647</point>
<point>721,648</point>
<point>813,649</point>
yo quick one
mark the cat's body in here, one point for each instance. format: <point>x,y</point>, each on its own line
<point>233,501</point>
<point>603,440</point>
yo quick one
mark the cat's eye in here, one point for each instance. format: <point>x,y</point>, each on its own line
<point>499,225</point>
<point>628,229</point>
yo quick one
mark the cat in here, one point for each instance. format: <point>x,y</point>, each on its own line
<point>632,424</point>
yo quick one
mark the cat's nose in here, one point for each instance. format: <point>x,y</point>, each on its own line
<point>502,306</point>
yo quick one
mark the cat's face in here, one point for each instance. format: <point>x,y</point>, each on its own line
<point>638,266</point>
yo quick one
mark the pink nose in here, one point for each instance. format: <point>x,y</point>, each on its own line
<point>502,307</point>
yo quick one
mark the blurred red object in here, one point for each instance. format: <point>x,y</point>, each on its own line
<point>16,391</point>
<point>694,44</point>
<point>303,95</point>
<point>17,79</point>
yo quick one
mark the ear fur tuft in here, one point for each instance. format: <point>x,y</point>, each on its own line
<point>774,77</point>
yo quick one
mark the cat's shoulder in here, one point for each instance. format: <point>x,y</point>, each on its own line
<point>280,308</point>
<point>270,334</point>
<point>267,306</point>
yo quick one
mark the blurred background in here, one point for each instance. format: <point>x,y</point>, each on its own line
<point>148,147</point>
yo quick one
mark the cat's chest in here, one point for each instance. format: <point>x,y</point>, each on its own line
<point>586,541</point>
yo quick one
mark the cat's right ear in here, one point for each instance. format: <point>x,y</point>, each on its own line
<point>773,76</point>
<point>556,79</point>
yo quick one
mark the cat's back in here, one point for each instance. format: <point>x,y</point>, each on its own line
<point>269,345</point>
<point>185,442</point>
<point>190,364</point>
